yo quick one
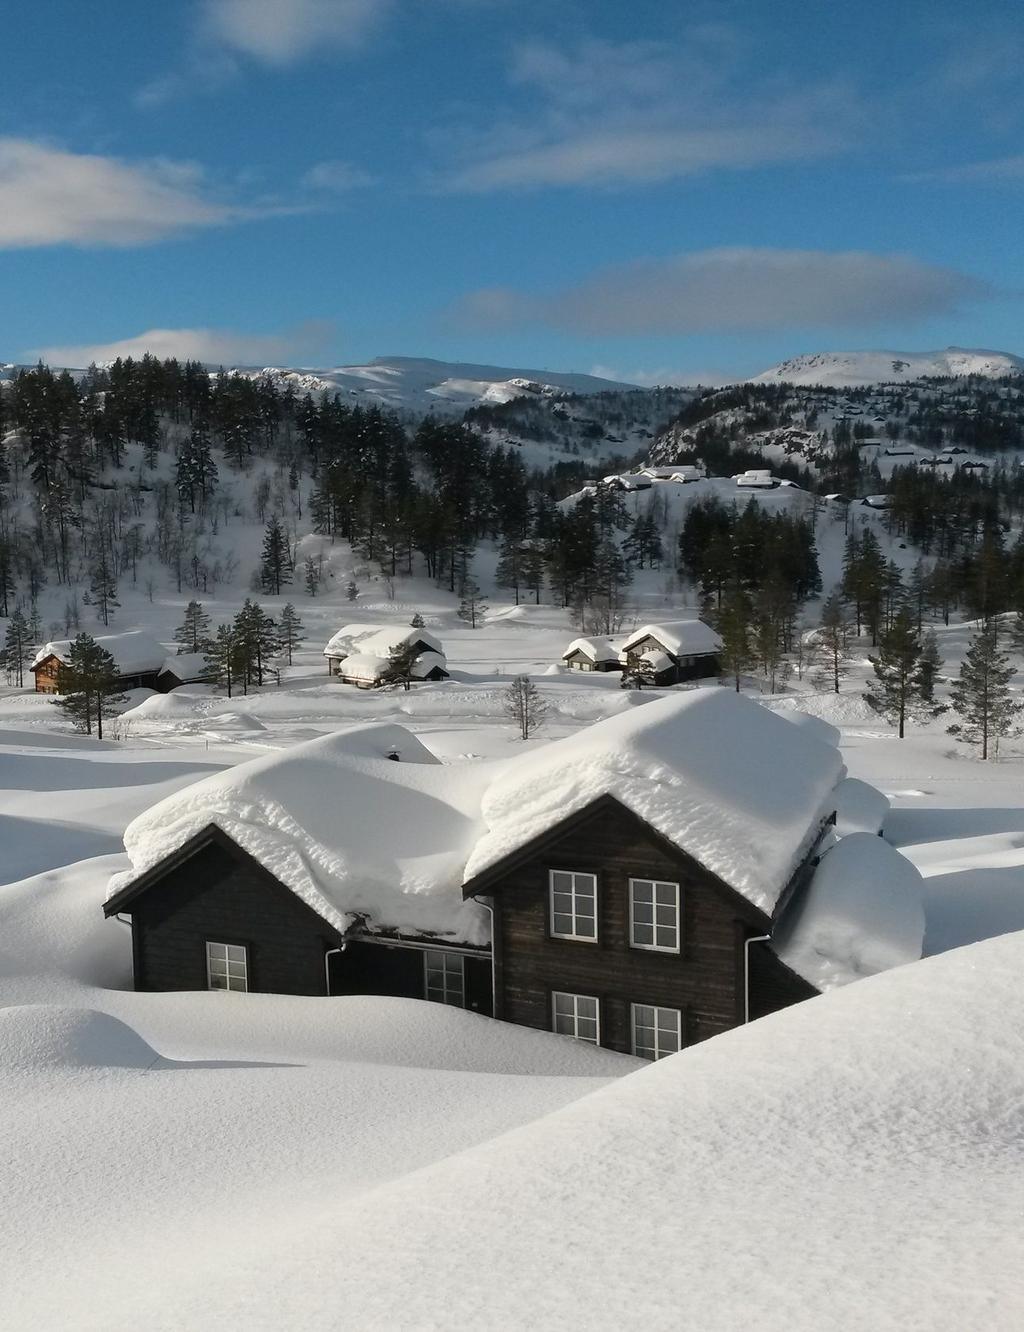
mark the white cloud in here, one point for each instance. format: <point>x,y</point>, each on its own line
<point>212,345</point>
<point>734,289</point>
<point>336,177</point>
<point>608,114</point>
<point>49,196</point>
<point>279,32</point>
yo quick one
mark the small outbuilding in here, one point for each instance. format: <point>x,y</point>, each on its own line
<point>591,654</point>
<point>185,668</point>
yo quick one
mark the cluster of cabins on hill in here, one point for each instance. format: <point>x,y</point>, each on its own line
<point>689,864</point>
<point>668,653</point>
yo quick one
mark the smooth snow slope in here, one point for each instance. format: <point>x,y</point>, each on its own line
<point>850,369</point>
<point>853,1163</point>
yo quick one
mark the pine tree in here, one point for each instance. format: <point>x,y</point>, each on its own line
<point>275,565</point>
<point>981,695</point>
<point>103,587</point>
<point>897,669</point>
<point>289,628</point>
<point>312,574</point>
<point>509,569</point>
<point>525,705</point>
<point>833,640</point>
<point>222,658</point>
<point>193,634</point>
<point>17,647</point>
<point>638,672</point>
<point>417,621</point>
<point>931,664</point>
<point>399,670</point>
<point>351,591</point>
<point>87,685</point>
<point>733,622</point>
<point>472,607</point>
<point>256,643</point>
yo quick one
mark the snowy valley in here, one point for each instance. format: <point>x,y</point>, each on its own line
<point>177,1157</point>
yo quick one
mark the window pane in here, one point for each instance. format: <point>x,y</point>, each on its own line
<point>586,1007</point>
<point>643,912</point>
<point>562,924</point>
<point>643,935</point>
<point>667,938</point>
<point>666,915</point>
<point>235,953</point>
<point>218,982</point>
<point>643,891</point>
<point>561,881</point>
<point>666,894</point>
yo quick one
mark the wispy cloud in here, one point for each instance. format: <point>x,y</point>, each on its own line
<point>993,171</point>
<point>336,177</point>
<point>50,196</point>
<point>279,32</point>
<point>608,114</point>
<point>212,345</point>
<point>732,290</point>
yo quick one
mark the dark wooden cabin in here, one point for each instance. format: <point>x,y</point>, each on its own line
<point>601,925</point>
<point>210,916</point>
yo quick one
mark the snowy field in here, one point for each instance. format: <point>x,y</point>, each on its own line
<point>207,1160</point>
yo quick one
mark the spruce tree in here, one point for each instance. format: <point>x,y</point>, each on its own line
<point>351,591</point>
<point>833,640</point>
<point>981,695</point>
<point>103,587</point>
<point>223,658</point>
<point>193,634</point>
<point>275,565</point>
<point>733,622</point>
<point>417,621</point>
<point>311,569</point>
<point>17,647</point>
<point>931,664</point>
<point>87,685</point>
<point>897,669</point>
<point>472,606</point>
<point>289,627</point>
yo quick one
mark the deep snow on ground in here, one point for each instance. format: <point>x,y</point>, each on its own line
<point>213,1160</point>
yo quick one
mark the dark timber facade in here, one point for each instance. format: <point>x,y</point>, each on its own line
<point>210,916</point>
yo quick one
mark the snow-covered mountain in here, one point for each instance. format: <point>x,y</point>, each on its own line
<point>419,384</point>
<point>849,369</point>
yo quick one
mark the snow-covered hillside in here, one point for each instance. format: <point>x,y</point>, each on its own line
<point>850,369</point>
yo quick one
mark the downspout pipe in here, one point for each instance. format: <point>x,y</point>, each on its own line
<point>754,938</point>
<point>327,966</point>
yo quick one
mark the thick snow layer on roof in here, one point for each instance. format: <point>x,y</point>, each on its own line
<point>134,652</point>
<point>658,661</point>
<point>859,807</point>
<point>861,913</point>
<point>597,649</point>
<point>683,638</point>
<point>187,665</point>
<point>378,640</point>
<point>350,831</point>
<point>723,778</point>
<point>824,730</point>
<point>364,666</point>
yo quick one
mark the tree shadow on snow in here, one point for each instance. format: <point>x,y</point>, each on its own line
<point>911,827</point>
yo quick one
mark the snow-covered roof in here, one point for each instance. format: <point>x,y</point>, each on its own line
<point>724,779</point>
<point>861,913</point>
<point>658,661</point>
<point>364,666</point>
<point>378,640</point>
<point>348,830</point>
<point>859,807</point>
<point>425,663</point>
<point>683,638</point>
<point>597,649</point>
<point>134,652</point>
<point>186,665</point>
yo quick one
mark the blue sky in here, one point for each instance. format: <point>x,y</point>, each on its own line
<point>658,190</point>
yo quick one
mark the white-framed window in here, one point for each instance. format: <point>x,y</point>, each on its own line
<point>445,977</point>
<point>654,915</point>
<point>573,905</point>
<point>227,966</point>
<point>657,1032</point>
<point>577,1015</point>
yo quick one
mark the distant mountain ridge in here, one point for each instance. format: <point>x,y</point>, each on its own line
<point>855,368</point>
<point>420,384</point>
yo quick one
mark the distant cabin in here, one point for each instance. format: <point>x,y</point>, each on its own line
<point>359,654</point>
<point>877,501</point>
<point>591,654</point>
<point>756,479</point>
<point>676,650</point>
<point>622,914</point>
<point>138,660</point>
<point>185,668</point>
